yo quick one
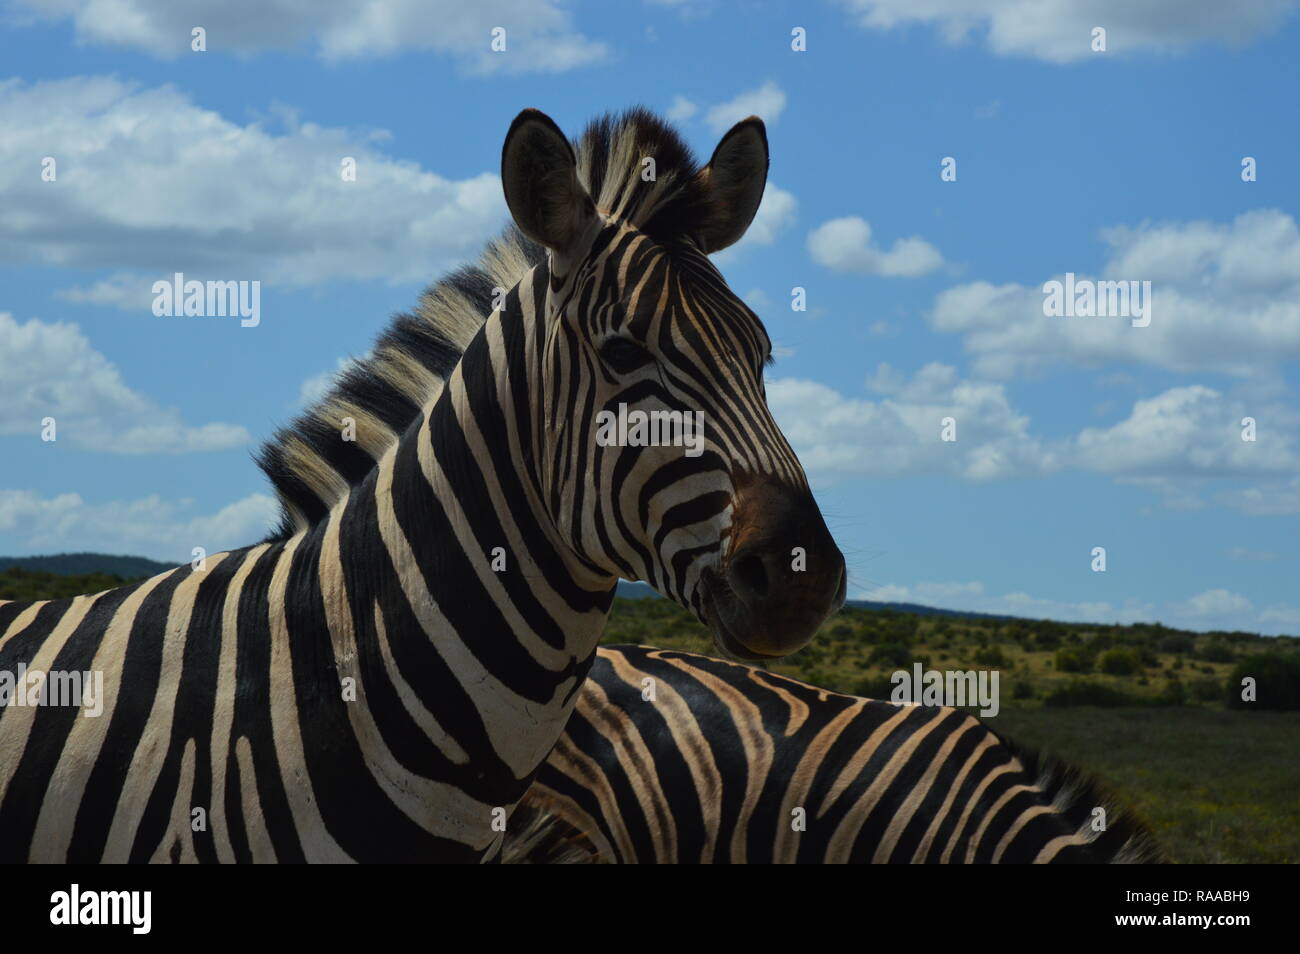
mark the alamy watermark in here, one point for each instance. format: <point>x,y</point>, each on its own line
<point>651,429</point>
<point>1086,298</point>
<point>952,687</point>
<point>36,687</point>
<point>133,909</point>
<point>180,298</point>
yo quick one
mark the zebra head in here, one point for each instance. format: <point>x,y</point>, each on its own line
<point>662,461</point>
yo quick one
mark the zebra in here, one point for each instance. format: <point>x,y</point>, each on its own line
<point>676,757</point>
<point>380,678</point>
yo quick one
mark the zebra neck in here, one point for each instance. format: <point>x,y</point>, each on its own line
<point>447,578</point>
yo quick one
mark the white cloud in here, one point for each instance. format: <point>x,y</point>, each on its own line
<point>540,35</point>
<point>1274,499</point>
<point>839,437</point>
<point>766,102</point>
<point>1060,31</point>
<point>318,385</point>
<point>776,212</point>
<point>1224,298</point>
<point>932,384</point>
<point>971,597</point>
<point>1258,253</point>
<point>1248,555</point>
<point>1181,494</point>
<point>924,592</point>
<point>150,183</point>
<point>681,110</point>
<point>1285,618</point>
<point>51,370</point>
<point>844,245</point>
<point>1174,444</point>
<point>1178,443</point>
<point>1214,603</point>
<point>1190,430</point>
<point>150,526</point>
<point>1213,609</point>
<point>120,290</point>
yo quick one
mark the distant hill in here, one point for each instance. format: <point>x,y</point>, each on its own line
<point>919,610</point>
<point>635,591</point>
<point>82,564</point>
<point>640,591</point>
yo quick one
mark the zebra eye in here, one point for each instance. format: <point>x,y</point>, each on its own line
<point>624,355</point>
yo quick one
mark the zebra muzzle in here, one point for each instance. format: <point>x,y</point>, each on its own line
<point>777,587</point>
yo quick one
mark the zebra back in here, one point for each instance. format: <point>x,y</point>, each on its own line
<point>675,757</point>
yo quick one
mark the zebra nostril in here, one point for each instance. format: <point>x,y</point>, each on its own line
<point>749,575</point>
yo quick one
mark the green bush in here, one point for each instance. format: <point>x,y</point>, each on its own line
<point>814,676</point>
<point>1071,659</point>
<point>17,583</point>
<point>842,657</point>
<point>901,629</point>
<point>1083,692</point>
<point>1207,689</point>
<point>874,687</point>
<point>1100,643</point>
<point>1277,682</point>
<point>1022,689</point>
<point>1173,694</point>
<point>892,654</point>
<point>1048,639</point>
<point>1119,662</point>
<point>1216,650</point>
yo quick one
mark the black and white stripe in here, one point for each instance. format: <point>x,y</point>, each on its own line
<point>724,760</point>
<point>227,733</point>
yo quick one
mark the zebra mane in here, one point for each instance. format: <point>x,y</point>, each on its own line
<point>1075,795</point>
<point>666,199</point>
<point>312,468</point>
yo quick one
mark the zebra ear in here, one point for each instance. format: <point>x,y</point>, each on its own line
<point>539,172</point>
<point>733,184</point>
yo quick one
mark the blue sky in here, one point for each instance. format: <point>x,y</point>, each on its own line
<point>924,296</point>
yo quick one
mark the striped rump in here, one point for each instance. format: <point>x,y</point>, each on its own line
<point>732,764</point>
